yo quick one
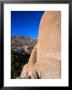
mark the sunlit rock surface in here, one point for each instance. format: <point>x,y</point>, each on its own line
<point>45,59</point>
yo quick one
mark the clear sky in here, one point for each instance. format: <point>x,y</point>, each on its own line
<point>25,23</point>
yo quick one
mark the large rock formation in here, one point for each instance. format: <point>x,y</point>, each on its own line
<point>45,59</point>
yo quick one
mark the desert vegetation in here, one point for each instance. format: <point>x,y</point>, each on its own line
<point>21,48</point>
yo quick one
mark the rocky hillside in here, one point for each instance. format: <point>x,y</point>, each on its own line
<point>21,48</point>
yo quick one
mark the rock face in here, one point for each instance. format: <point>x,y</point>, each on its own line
<point>29,67</point>
<point>45,59</point>
<point>49,36</point>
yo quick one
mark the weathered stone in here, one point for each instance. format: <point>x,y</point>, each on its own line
<point>45,59</point>
<point>28,49</point>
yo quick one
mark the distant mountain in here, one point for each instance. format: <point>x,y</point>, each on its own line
<point>22,40</point>
<point>21,48</point>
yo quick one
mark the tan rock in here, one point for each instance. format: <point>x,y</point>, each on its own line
<point>28,68</point>
<point>49,40</point>
<point>45,59</point>
<point>24,71</point>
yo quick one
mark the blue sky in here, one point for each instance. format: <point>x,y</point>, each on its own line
<point>25,23</point>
